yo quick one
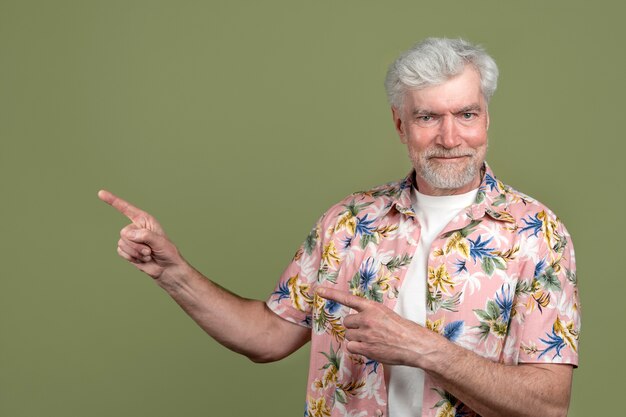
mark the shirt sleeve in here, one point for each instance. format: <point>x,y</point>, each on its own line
<point>552,308</point>
<point>292,298</point>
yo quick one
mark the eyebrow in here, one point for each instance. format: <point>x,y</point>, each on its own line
<point>465,109</point>
<point>471,107</point>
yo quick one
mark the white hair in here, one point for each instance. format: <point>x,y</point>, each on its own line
<point>434,61</point>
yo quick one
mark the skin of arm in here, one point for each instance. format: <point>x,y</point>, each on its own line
<point>243,325</point>
<point>490,389</point>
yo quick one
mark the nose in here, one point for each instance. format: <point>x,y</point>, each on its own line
<point>448,136</point>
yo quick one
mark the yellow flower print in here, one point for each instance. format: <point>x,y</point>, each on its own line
<point>549,227</point>
<point>329,255</point>
<point>299,293</point>
<point>457,243</point>
<point>447,410</point>
<point>318,408</point>
<point>384,231</point>
<point>567,331</point>
<point>436,325</point>
<point>330,376</point>
<point>348,221</point>
<point>439,279</point>
<point>384,280</point>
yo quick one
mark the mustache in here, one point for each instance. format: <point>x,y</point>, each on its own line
<point>448,153</point>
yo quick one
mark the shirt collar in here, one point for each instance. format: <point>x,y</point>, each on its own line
<point>490,199</point>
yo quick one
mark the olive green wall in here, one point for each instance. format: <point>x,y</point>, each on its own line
<point>236,124</point>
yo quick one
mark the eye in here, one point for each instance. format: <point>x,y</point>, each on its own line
<point>468,116</point>
<point>426,120</point>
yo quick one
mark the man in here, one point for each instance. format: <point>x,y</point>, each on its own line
<point>445,294</point>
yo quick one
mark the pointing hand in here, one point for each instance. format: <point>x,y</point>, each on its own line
<point>143,242</point>
<point>377,332</point>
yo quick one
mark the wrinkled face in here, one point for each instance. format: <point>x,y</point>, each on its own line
<point>445,130</point>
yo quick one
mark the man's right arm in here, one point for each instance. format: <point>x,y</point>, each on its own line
<point>245,326</point>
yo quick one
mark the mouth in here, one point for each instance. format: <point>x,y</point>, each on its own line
<point>450,158</point>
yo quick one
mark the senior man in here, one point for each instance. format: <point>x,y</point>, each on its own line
<point>447,293</point>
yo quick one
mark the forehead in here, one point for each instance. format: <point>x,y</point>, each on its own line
<point>460,91</point>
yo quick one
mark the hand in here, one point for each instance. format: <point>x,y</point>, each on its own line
<point>143,242</point>
<point>378,333</point>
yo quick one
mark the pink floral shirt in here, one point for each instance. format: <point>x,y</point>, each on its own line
<point>501,283</point>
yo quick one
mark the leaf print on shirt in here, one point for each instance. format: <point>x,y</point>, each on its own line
<point>548,226</point>
<point>348,217</point>
<point>311,240</point>
<point>398,262</point>
<point>370,281</point>
<point>364,226</point>
<point>327,319</point>
<point>504,300</point>
<point>453,330</point>
<point>325,274</point>
<point>331,369</point>
<point>532,224</point>
<point>345,390</point>
<point>491,182</point>
<point>563,335</point>
<point>501,215</point>
<point>486,256</point>
<point>436,301</point>
<point>549,280</point>
<point>282,292</point>
<point>539,298</point>
<point>450,406</point>
<point>464,231</point>
<point>494,319</point>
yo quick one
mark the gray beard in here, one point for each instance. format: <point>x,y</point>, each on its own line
<point>446,177</point>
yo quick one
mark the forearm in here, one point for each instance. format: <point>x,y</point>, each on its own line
<point>493,389</point>
<point>242,325</point>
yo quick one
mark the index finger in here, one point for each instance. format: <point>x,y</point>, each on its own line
<point>343,297</point>
<point>121,205</point>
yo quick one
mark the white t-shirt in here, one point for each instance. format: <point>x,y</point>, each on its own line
<point>406,384</point>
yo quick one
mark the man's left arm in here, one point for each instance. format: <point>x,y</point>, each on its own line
<point>488,388</point>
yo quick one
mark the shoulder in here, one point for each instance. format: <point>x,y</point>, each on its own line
<point>516,203</point>
<point>534,219</point>
<point>370,204</point>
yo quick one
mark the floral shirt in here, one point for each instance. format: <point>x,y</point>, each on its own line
<point>501,283</point>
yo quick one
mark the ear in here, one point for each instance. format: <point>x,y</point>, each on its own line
<point>398,124</point>
<point>487,112</point>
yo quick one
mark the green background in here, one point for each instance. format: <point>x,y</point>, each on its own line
<point>237,124</point>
